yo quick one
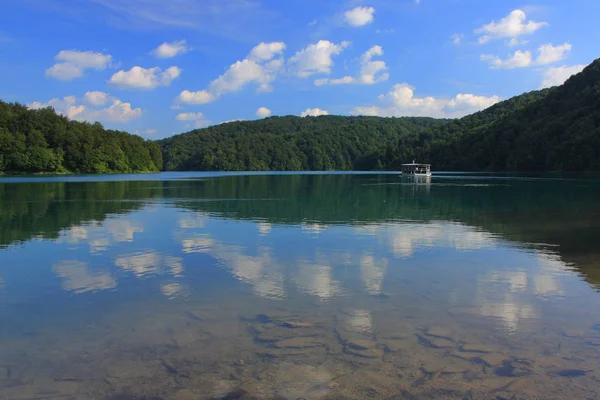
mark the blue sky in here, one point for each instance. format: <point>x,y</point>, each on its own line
<point>163,67</point>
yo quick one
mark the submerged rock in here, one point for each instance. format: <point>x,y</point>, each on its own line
<point>361,344</point>
<point>440,332</point>
<point>366,353</point>
<point>394,345</point>
<point>295,324</point>
<point>516,368</point>
<point>570,373</point>
<point>491,359</point>
<point>437,342</point>
<point>477,348</point>
<point>298,343</point>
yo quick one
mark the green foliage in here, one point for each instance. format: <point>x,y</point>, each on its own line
<point>549,130</point>
<point>292,143</point>
<point>555,129</point>
<point>34,141</point>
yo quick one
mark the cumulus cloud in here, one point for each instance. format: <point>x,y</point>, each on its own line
<point>558,75</point>
<point>260,67</point>
<point>72,64</point>
<point>199,97</point>
<point>313,112</point>
<point>70,106</point>
<point>263,112</point>
<point>401,101</point>
<point>547,54</point>
<point>142,78</point>
<point>360,16</point>
<point>199,120</point>
<point>266,51</point>
<point>316,58</point>
<point>168,50</point>
<point>511,27</point>
<point>370,71</point>
<point>96,98</point>
<point>519,59</point>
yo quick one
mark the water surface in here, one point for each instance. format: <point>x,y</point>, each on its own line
<point>314,286</point>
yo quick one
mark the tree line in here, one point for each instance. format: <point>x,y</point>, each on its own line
<point>33,141</point>
<point>555,129</point>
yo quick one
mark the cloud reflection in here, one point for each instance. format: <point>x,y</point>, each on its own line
<point>372,273</point>
<point>150,263</point>
<point>316,279</point>
<point>198,244</point>
<point>77,277</point>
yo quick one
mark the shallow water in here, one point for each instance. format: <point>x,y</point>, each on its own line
<point>287,286</point>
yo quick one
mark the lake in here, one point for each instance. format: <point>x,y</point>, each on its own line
<point>299,286</point>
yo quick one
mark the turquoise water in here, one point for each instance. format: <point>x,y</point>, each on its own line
<point>315,286</point>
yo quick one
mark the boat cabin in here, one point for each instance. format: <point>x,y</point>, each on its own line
<point>416,169</point>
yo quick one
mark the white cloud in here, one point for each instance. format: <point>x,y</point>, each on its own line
<point>519,59</point>
<point>313,112</point>
<point>96,98</point>
<point>558,75</point>
<point>142,78</point>
<point>198,118</point>
<point>199,97</point>
<point>401,101</point>
<point>370,71</point>
<point>457,38</point>
<point>360,16</point>
<point>189,116</point>
<point>468,103</point>
<point>73,64</point>
<point>316,58</point>
<point>547,54</point>
<point>70,106</point>
<point>259,67</point>
<point>512,27</point>
<point>168,50</point>
<point>263,112</point>
<point>266,51</point>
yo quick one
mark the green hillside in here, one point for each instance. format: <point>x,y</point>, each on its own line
<point>33,141</point>
<point>555,129</point>
<point>291,143</point>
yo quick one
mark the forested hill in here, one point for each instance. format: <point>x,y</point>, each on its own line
<point>548,130</point>
<point>555,129</point>
<point>292,143</point>
<point>33,141</point>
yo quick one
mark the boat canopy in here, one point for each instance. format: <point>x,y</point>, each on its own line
<point>416,168</point>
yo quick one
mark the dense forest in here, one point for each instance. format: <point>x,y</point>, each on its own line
<point>33,141</point>
<point>292,143</point>
<point>555,129</point>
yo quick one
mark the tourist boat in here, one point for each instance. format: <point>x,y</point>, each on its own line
<point>414,169</point>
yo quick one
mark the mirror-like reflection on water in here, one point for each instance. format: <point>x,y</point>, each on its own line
<point>336,286</point>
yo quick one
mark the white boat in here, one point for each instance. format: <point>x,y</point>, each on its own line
<point>415,169</point>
